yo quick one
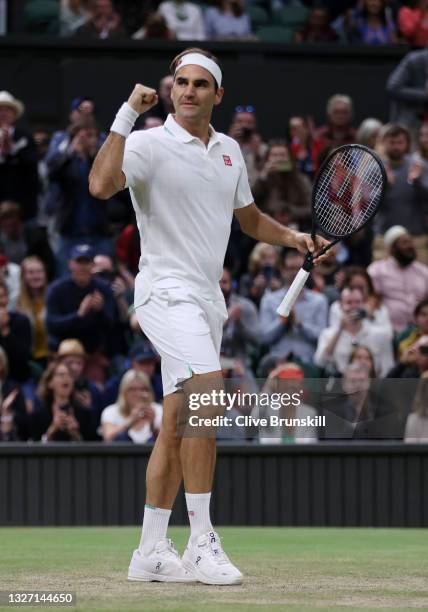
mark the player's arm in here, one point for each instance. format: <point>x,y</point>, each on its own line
<point>263,228</point>
<point>106,177</point>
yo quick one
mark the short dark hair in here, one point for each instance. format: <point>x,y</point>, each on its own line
<point>419,307</point>
<point>177,58</point>
<point>396,129</point>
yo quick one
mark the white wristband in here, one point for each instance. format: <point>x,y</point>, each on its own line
<point>124,121</point>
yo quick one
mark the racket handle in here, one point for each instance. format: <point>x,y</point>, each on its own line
<point>293,293</point>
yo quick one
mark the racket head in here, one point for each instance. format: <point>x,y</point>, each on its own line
<point>348,190</point>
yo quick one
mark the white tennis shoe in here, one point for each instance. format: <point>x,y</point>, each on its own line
<point>207,561</point>
<point>163,564</point>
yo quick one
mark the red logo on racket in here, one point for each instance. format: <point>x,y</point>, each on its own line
<point>227,160</point>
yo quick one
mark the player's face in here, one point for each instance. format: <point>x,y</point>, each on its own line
<point>193,94</point>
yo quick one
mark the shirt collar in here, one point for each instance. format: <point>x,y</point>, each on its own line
<point>183,135</point>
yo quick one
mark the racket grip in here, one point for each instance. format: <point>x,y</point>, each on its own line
<point>293,293</point>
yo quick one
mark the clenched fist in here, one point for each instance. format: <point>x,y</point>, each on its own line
<point>142,98</point>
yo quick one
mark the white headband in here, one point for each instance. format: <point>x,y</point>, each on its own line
<point>200,60</point>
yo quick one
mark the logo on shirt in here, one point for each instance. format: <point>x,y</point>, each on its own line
<point>227,160</point>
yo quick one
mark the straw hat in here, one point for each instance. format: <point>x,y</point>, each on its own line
<point>6,99</point>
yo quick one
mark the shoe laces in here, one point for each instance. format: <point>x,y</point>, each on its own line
<point>212,539</point>
<point>166,545</point>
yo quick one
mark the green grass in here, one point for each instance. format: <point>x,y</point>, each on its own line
<point>296,569</point>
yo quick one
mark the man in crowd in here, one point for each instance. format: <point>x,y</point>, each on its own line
<point>241,331</point>
<point>399,279</point>
<point>81,306</point>
<point>406,194</point>
<point>244,130</point>
<point>336,343</point>
<point>407,88</point>
<point>18,158</point>
<point>338,130</point>
<point>298,333</point>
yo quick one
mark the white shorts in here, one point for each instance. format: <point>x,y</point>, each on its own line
<point>186,330</point>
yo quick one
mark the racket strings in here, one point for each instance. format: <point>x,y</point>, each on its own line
<point>348,191</point>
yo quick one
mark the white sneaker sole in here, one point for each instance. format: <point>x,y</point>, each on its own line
<point>192,569</point>
<point>142,576</point>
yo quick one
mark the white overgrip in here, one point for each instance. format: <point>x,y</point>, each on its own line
<point>293,293</point>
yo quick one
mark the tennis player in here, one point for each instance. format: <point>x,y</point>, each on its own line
<point>186,181</point>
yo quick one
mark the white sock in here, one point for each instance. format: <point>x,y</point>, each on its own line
<point>155,525</point>
<point>198,507</point>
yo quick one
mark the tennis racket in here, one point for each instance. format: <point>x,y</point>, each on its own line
<point>347,193</point>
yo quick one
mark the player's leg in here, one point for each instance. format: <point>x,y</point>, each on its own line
<point>204,556</point>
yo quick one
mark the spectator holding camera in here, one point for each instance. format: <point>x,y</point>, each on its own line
<point>305,148</point>
<point>244,130</point>
<point>14,420</point>
<point>135,417</point>
<point>263,273</point>
<point>336,342</point>
<point>81,306</point>
<point>56,415</point>
<point>376,312</point>
<point>415,330</point>
<point>281,185</point>
<point>296,334</point>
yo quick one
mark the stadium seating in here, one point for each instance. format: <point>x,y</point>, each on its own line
<point>291,16</point>
<point>275,34</point>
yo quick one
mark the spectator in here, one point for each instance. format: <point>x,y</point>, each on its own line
<point>415,330</point>
<point>305,148</point>
<point>227,19</point>
<point>400,280</point>
<point>72,15</point>
<point>20,241</point>
<point>155,26</point>
<point>417,422</point>
<point>241,331</point>
<point>407,88</point>
<point>362,356</point>
<point>406,195</point>
<point>338,130</point>
<point>297,334</point>
<point>244,130</point>
<point>103,22</point>
<point>80,216</point>
<point>336,342</point>
<point>183,18</point>
<point>413,361</point>
<point>135,417</point>
<point>263,273</point>
<point>164,107</point>
<point>56,416</point>
<point>81,306</point>
<point>42,137</point>
<point>280,185</point>
<point>141,358</point>
<point>413,23</point>
<point>15,338</point>
<point>368,132</point>
<point>86,393</point>
<point>10,274</point>
<point>18,158</point>
<point>372,24</point>
<point>31,302</point>
<point>14,421</point>
<point>420,156</point>
<point>375,312</point>
<point>317,28</point>
<point>286,378</point>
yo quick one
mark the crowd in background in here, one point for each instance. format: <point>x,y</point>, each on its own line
<point>371,22</point>
<point>74,364</point>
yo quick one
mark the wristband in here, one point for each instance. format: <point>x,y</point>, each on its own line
<point>124,121</point>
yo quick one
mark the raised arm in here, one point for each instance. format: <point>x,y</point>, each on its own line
<point>106,177</point>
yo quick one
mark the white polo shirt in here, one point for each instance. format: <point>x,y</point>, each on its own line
<point>184,195</point>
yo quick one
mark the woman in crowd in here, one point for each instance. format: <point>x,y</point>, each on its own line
<point>372,24</point>
<point>363,356</point>
<point>56,415</point>
<point>263,272</point>
<point>227,20</point>
<point>13,414</point>
<point>31,301</point>
<point>135,417</point>
<point>368,132</point>
<point>305,148</point>
<point>375,312</point>
<point>417,422</point>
